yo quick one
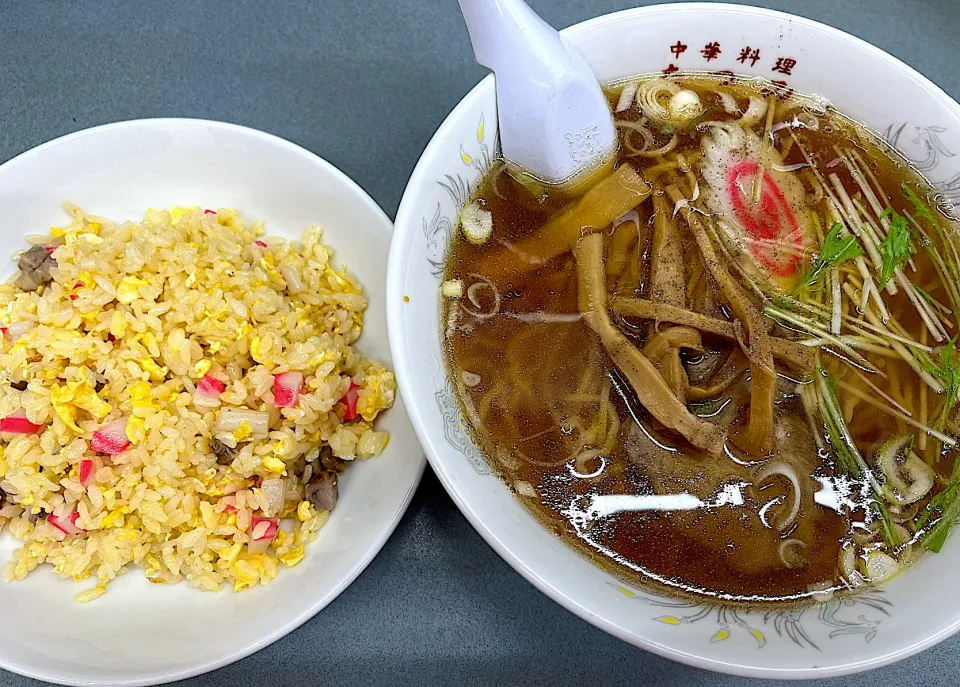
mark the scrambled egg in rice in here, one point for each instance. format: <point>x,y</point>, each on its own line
<point>178,394</point>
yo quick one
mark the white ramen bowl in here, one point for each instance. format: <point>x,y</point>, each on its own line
<point>914,611</point>
<point>141,633</point>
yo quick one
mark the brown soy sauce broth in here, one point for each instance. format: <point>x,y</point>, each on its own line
<point>557,420</point>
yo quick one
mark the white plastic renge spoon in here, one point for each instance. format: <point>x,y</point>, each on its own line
<point>554,120</point>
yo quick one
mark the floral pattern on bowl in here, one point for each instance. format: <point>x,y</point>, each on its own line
<point>806,627</point>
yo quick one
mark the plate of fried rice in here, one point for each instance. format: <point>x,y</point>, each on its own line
<point>201,441</point>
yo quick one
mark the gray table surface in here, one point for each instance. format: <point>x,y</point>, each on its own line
<point>349,80</point>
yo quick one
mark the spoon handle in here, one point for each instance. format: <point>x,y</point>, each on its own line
<point>508,32</point>
<point>554,120</point>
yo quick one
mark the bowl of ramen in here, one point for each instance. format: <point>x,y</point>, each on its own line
<point>709,404</point>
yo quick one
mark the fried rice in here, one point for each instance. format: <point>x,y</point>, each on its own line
<point>141,392</point>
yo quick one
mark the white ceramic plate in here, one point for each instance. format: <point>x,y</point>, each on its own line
<point>139,633</point>
<point>915,610</point>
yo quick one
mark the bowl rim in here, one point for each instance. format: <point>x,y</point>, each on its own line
<point>407,216</point>
<point>384,225</point>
